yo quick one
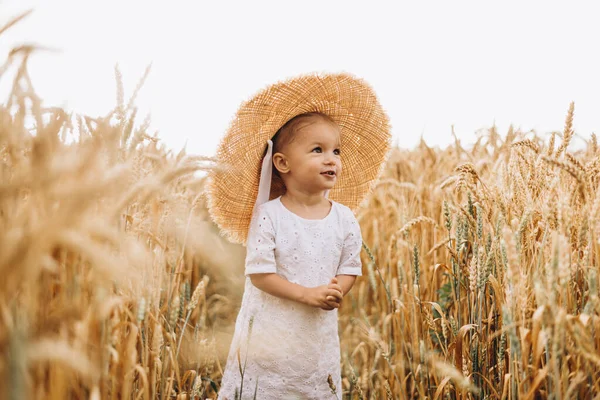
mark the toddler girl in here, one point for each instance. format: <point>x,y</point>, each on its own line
<point>303,249</point>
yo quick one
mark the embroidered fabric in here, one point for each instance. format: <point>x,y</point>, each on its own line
<point>285,349</point>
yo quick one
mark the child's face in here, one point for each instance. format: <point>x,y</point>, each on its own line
<point>311,162</point>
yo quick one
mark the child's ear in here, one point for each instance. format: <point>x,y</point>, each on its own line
<point>281,163</point>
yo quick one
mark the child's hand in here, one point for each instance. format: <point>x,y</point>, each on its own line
<point>326,297</point>
<point>334,285</point>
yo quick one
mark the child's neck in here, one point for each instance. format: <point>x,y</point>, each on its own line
<point>303,198</point>
<point>307,205</point>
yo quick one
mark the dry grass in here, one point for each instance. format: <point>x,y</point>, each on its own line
<point>481,265</point>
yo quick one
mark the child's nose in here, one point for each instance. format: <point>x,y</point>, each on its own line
<point>330,158</point>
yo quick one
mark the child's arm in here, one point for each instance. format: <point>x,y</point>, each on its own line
<point>350,263</point>
<point>318,296</point>
<point>346,282</point>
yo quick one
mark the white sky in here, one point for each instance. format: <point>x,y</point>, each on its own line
<point>433,64</point>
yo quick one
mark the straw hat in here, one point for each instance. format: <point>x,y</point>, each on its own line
<point>349,101</point>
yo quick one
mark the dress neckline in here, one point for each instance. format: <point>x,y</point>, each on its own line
<point>307,220</point>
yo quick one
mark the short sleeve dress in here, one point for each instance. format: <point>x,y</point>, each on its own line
<point>284,349</point>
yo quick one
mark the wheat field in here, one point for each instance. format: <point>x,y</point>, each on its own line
<point>480,264</point>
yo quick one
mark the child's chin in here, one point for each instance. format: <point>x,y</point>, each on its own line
<point>323,188</point>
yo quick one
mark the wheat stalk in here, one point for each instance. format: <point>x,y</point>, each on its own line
<point>568,130</point>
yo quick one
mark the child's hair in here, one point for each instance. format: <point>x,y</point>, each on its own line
<point>287,133</point>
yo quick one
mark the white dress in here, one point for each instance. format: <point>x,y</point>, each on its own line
<point>292,348</point>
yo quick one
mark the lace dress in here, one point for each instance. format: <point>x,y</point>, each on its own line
<point>286,349</point>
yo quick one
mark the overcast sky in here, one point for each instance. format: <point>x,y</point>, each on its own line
<point>433,64</point>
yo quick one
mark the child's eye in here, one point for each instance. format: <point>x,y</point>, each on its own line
<point>317,149</point>
<point>336,152</point>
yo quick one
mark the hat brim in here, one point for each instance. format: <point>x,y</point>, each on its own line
<point>349,101</point>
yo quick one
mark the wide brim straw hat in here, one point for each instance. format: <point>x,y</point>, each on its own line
<point>232,187</point>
